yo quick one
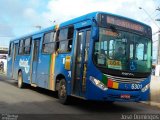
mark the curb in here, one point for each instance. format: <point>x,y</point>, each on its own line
<point>156,104</point>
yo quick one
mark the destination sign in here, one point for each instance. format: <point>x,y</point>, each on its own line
<point>124,23</point>
<point>108,32</point>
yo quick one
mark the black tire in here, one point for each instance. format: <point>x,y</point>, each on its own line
<point>20,80</point>
<point>62,92</point>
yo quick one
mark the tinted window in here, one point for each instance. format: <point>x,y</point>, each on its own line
<point>49,37</point>
<point>49,43</point>
<point>10,49</point>
<point>21,47</point>
<point>65,38</point>
<point>27,46</point>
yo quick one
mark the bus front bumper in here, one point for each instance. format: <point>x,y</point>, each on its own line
<point>118,95</point>
<point>126,96</point>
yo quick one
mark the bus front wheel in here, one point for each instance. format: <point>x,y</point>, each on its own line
<point>20,80</point>
<point>62,92</point>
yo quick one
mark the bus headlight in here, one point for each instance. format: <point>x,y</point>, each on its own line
<point>144,89</point>
<point>98,83</point>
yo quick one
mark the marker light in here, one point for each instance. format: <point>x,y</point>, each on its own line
<point>144,89</point>
<point>98,83</point>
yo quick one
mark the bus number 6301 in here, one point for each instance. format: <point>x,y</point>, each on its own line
<point>136,86</point>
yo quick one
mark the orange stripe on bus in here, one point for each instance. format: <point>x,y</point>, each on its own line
<point>53,56</point>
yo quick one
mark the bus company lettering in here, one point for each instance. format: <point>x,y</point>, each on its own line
<point>127,74</point>
<point>24,63</point>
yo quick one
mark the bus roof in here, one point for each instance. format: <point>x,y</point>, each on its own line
<point>94,14</point>
<point>75,20</point>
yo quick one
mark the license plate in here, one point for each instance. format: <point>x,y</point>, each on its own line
<point>125,96</point>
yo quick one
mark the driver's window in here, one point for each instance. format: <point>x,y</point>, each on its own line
<point>100,53</point>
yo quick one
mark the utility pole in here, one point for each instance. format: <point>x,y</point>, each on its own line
<point>158,52</point>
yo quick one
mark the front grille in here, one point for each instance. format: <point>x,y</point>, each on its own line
<point>125,80</point>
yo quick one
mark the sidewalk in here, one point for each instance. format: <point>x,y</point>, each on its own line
<point>154,92</point>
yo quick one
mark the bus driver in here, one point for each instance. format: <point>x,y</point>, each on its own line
<point>119,54</point>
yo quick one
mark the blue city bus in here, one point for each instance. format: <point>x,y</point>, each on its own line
<point>98,56</point>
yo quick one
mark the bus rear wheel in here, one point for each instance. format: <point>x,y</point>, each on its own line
<point>20,80</point>
<point>62,92</point>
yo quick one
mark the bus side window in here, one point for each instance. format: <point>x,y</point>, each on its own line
<point>65,39</point>
<point>21,47</point>
<point>48,43</point>
<point>10,49</point>
<point>27,46</point>
<point>16,50</point>
<point>70,37</point>
<point>63,43</point>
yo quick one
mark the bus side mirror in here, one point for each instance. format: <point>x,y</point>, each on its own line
<point>95,33</point>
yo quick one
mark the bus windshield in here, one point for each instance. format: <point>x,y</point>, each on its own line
<point>120,50</point>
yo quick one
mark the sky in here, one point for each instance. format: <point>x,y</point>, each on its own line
<point>19,17</point>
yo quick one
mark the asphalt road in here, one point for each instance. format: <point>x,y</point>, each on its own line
<point>37,103</point>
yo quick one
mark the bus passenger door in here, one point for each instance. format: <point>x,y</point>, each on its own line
<point>34,60</point>
<point>80,69</point>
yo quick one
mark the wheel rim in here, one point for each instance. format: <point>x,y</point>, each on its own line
<point>62,90</point>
